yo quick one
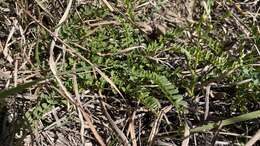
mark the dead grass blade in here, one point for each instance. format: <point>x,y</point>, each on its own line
<point>53,68</point>
<point>185,142</point>
<point>100,24</point>
<point>254,139</point>
<point>75,87</point>
<point>92,128</point>
<point>156,125</point>
<point>40,3</point>
<point>8,43</point>
<point>108,5</point>
<point>119,133</point>
<point>109,81</point>
<point>86,116</point>
<point>121,51</point>
<point>207,101</point>
<point>52,63</point>
<point>216,134</point>
<point>15,72</point>
<point>131,129</point>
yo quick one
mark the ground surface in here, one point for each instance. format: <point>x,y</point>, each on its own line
<point>129,72</point>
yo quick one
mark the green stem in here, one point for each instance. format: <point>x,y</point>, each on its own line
<point>241,118</point>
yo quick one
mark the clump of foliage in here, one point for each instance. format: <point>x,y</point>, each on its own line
<point>133,71</point>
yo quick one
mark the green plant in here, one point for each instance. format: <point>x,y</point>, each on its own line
<point>132,71</point>
<point>47,103</point>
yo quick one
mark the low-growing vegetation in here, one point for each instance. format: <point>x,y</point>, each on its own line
<point>127,72</point>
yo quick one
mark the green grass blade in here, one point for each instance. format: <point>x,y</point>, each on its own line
<point>14,90</point>
<point>241,118</point>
